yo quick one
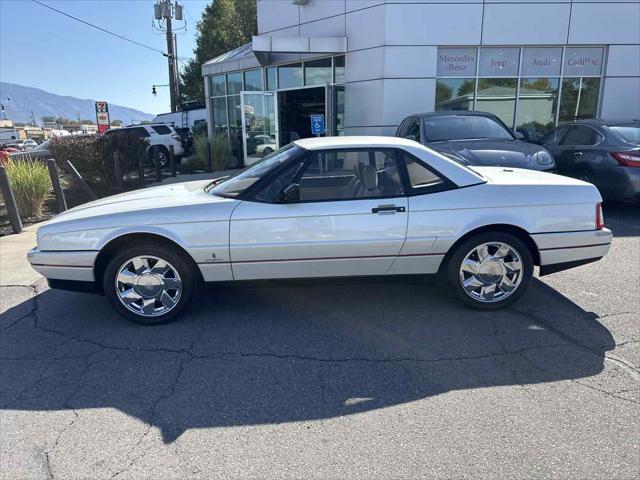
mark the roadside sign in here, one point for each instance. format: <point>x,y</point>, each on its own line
<point>317,124</point>
<point>102,117</point>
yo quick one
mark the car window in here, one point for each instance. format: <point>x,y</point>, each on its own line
<point>350,174</point>
<point>161,129</point>
<point>141,132</point>
<point>413,129</point>
<point>440,128</point>
<point>581,135</point>
<point>554,137</point>
<point>629,133</point>
<point>420,177</point>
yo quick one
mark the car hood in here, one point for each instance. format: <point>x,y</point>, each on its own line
<point>500,153</point>
<point>163,204</point>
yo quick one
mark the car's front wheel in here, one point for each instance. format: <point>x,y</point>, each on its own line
<point>149,284</point>
<point>490,270</point>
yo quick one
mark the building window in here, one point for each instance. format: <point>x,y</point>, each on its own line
<point>217,86</point>
<point>318,72</point>
<point>529,88</point>
<point>253,80</point>
<point>338,69</point>
<point>234,83</point>
<point>290,76</point>
<point>272,83</point>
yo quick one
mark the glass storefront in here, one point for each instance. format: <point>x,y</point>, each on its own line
<point>530,89</point>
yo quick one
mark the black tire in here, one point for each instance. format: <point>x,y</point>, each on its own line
<point>185,269</point>
<point>267,151</point>
<point>162,155</point>
<point>454,267</point>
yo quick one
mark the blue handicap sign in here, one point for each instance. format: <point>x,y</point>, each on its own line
<point>317,124</point>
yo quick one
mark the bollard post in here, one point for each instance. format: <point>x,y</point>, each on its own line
<point>209,159</point>
<point>10,201</point>
<point>172,160</point>
<point>55,183</point>
<point>117,170</point>
<point>156,160</point>
<point>84,185</point>
<point>141,157</point>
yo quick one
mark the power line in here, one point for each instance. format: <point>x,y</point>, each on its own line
<point>100,28</point>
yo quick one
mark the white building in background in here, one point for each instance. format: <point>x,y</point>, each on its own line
<point>366,64</point>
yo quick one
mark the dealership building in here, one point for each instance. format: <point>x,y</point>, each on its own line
<point>366,64</point>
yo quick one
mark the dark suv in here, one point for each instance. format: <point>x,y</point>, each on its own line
<point>475,138</point>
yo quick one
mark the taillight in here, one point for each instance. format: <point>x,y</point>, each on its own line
<point>599,217</point>
<point>627,159</point>
<point>176,137</point>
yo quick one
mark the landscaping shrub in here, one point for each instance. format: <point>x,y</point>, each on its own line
<point>30,184</point>
<point>92,155</point>
<point>199,160</point>
<point>220,151</point>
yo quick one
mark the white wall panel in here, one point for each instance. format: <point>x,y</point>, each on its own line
<point>365,64</point>
<point>405,96</point>
<point>621,98</point>
<point>276,14</point>
<point>327,27</point>
<point>365,28</point>
<point>433,24</point>
<point>410,61</point>
<point>363,103</point>
<point>315,10</point>
<point>377,131</point>
<point>605,23</point>
<point>623,60</point>
<point>360,4</point>
<point>526,24</point>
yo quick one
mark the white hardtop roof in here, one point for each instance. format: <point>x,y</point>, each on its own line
<point>455,172</point>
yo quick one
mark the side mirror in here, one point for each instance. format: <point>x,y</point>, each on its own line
<point>518,135</point>
<point>290,194</point>
<point>410,137</point>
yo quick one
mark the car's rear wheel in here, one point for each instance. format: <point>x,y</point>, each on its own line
<point>490,270</point>
<point>149,284</point>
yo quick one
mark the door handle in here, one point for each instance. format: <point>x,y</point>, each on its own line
<point>387,208</point>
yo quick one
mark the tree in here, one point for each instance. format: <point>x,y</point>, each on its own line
<point>225,25</point>
<point>116,123</point>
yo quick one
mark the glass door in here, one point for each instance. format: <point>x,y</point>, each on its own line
<point>259,125</point>
<point>334,109</point>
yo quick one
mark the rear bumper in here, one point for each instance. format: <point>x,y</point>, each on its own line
<point>71,266</point>
<point>560,251</point>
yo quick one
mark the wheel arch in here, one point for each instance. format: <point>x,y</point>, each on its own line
<point>514,230</point>
<point>127,239</point>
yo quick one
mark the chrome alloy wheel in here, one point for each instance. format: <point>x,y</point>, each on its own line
<point>491,272</point>
<point>148,286</point>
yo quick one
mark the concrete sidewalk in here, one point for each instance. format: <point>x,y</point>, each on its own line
<point>14,267</point>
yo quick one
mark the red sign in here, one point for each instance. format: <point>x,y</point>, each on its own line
<point>102,117</point>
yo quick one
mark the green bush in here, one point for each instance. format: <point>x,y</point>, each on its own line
<point>199,160</point>
<point>92,155</point>
<point>220,152</point>
<point>30,184</point>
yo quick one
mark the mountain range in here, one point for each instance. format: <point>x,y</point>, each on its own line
<point>24,100</point>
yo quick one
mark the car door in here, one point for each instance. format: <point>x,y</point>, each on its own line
<point>350,218</point>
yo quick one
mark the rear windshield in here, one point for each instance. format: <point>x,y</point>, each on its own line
<point>463,127</point>
<point>629,133</point>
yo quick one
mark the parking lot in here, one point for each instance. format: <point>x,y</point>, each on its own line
<point>338,378</point>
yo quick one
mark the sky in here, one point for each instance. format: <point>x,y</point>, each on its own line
<point>43,49</point>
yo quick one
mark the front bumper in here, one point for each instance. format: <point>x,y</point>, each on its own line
<point>571,248</point>
<point>74,266</point>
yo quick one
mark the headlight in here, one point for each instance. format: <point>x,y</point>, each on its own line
<point>543,158</point>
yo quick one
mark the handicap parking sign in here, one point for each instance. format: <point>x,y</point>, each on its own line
<point>317,124</point>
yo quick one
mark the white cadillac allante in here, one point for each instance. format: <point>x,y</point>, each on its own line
<point>323,207</point>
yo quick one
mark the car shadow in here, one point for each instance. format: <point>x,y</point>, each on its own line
<point>287,351</point>
<point>623,218</point>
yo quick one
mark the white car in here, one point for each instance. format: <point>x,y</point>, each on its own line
<point>159,137</point>
<point>327,207</point>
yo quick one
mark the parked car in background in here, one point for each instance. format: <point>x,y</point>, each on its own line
<point>327,207</point>
<point>475,139</point>
<point>605,153</point>
<point>159,137</point>
<point>23,145</point>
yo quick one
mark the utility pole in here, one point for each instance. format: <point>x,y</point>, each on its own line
<point>167,10</point>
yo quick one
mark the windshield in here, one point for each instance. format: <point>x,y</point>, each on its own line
<point>630,133</point>
<point>463,127</point>
<point>235,185</point>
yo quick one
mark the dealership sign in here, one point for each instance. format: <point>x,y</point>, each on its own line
<point>102,116</point>
<point>456,62</point>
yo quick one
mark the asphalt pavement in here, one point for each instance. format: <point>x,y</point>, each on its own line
<point>348,378</point>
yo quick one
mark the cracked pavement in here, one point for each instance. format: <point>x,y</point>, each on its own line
<point>347,378</point>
